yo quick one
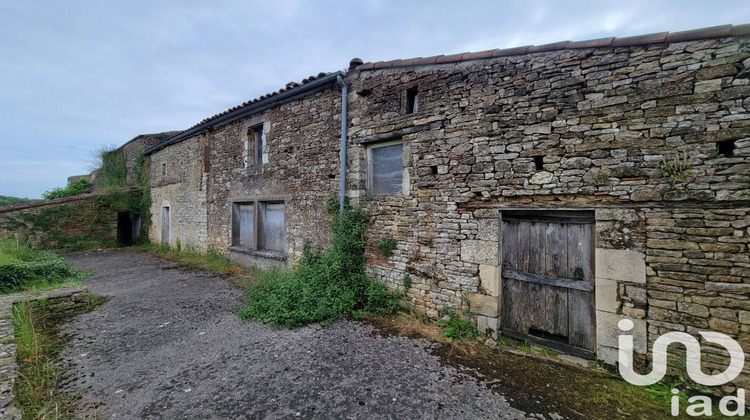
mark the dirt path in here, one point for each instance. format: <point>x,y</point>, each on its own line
<point>167,345</point>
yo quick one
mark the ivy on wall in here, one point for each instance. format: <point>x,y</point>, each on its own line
<point>91,222</point>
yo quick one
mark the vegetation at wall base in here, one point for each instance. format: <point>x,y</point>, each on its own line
<point>324,285</point>
<point>457,327</point>
<point>187,256</point>
<point>26,269</point>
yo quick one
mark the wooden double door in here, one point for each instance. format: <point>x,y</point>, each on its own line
<point>548,279</point>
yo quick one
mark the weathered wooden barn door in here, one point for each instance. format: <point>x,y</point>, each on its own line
<point>548,279</point>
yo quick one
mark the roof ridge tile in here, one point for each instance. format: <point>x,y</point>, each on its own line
<point>653,38</point>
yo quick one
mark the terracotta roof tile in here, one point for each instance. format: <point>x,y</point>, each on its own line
<point>403,63</point>
<point>510,51</point>
<point>712,32</point>
<point>449,58</point>
<point>289,86</point>
<point>592,43</point>
<point>478,55</point>
<point>738,30</point>
<point>426,60</point>
<point>548,47</point>
<point>655,38</point>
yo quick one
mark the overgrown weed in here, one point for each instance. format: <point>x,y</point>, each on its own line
<point>457,327</point>
<point>324,285</point>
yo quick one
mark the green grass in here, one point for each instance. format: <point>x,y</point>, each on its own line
<point>458,328</point>
<point>38,351</point>
<point>210,261</point>
<point>26,269</point>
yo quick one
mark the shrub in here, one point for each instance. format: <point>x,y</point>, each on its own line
<point>82,186</point>
<point>113,172</point>
<point>324,285</point>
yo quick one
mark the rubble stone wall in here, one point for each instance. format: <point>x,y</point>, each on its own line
<point>653,138</point>
<point>302,140</point>
<point>177,181</point>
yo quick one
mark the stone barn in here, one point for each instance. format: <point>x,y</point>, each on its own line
<point>550,190</point>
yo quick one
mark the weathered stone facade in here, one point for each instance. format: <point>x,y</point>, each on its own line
<point>299,169</point>
<point>177,183</point>
<point>131,151</point>
<point>579,129</point>
<point>646,141</point>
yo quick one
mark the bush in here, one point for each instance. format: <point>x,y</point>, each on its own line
<point>81,186</point>
<point>324,285</point>
<point>22,268</point>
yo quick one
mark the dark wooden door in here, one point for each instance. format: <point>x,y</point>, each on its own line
<point>548,279</point>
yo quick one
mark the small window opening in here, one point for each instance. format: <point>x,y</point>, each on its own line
<point>725,148</point>
<point>548,336</point>
<point>259,146</point>
<point>434,170</point>
<point>539,163</point>
<point>411,100</point>
<point>163,169</point>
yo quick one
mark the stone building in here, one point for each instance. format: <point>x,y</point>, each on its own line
<point>253,181</point>
<point>550,190</point>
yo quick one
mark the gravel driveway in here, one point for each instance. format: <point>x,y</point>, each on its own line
<point>167,345</point>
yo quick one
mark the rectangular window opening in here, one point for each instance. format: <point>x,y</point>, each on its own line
<point>259,140</point>
<point>412,102</point>
<point>385,168</point>
<point>259,226</point>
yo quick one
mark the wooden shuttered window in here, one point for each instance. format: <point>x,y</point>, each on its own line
<point>259,225</point>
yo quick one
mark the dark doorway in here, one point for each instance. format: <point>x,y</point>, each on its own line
<point>124,229</point>
<point>128,228</point>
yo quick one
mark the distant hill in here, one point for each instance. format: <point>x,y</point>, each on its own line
<point>9,201</point>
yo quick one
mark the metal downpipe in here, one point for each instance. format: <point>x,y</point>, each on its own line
<point>342,155</point>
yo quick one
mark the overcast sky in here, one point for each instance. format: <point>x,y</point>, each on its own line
<point>79,75</point>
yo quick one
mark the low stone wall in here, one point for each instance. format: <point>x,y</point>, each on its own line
<point>86,220</point>
<point>64,301</point>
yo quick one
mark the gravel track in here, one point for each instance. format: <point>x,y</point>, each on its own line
<point>166,345</point>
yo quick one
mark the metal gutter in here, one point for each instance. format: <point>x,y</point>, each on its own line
<point>342,154</point>
<point>243,112</point>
